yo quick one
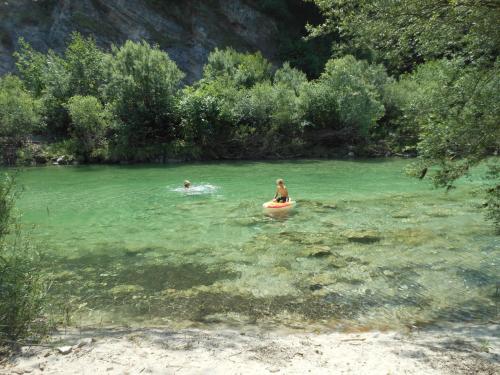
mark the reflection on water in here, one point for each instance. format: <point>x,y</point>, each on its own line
<point>365,246</point>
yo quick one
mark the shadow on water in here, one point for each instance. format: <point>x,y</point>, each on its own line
<point>234,163</point>
<point>131,285</point>
<point>113,271</point>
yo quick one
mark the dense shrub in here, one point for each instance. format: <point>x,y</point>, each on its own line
<point>55,79</point>
<point>243,69</point>
<point>85,64</point>
<point>19,117</point>
<point>209,110</point>
<point>346,99</point>
<point>19,111</point>
<point>89,123</point>
<point>230,117</point>
<point>447,100</point>
<point>207,121</point>
<point>272,115</point>
<point>142,89</point>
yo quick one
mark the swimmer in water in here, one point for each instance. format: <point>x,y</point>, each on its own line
<point>187,184</point>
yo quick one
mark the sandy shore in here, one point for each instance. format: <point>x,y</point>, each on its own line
<point>462,349</point>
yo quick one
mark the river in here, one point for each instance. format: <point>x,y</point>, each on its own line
<point>366,247</point>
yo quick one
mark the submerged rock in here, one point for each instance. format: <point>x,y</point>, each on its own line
<point>228,318</point>
<point>66,276</point>
<point>362,236</point>
<point>401,215</point>
<point>319,252</point>
<point>126,289</point>
<point>322,279</point>
<point>439,212</point>
<point>315,287</point>
<point>412,236</point>
<point>318,205</point>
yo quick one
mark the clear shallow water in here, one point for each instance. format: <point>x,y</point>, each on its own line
<point>366,247</point>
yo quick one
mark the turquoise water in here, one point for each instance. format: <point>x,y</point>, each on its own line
<point>365,247</point>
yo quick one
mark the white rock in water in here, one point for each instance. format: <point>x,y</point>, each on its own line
<point>65,349</point>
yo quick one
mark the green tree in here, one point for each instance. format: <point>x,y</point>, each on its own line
<point>89,123</point>
<point>403,34</point>
<point>54,96</point>
<point>346,99</point>
<point>231,117</point>
<point>209,109</point>
<point>143,85</point>
<point>456,108</point>
<point>54,78</point>
<point>244,69</point>
<point>290,77</point>
<point>207,118</point>
<point>19,111</point>
<point>268,117</point>
<point>85,64</point>
<point>19,116</point>
<point>454,96</point>
<point>31,66</point>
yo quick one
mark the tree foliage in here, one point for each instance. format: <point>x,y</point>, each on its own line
<point>89,123</point>
<point>142,89</point>
<point>54,79</point>
<point>403,34</point>
<point>19,111</point>
<point>450,94</point>
<point>85,64</point>
<point>346,98</point>
<point>242,69</point>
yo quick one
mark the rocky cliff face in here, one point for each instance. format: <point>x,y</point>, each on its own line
<point>188,30</point>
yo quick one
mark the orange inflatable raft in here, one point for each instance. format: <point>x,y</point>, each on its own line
<point>275,206</point>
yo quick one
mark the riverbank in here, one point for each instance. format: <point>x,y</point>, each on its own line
<point>459,349</point>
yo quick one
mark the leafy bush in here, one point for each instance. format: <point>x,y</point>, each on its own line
<point>207,119</point>
<point>85,64</point>
<point>456,109</point>
<point>243,69</point>
<point>19,112</point>
<point>89,122</point>
<point>346,98</point>
<point>142,89</point>
<point>55,79</point>
<point>227,117</point>
<point>19,117</point>
<point>272,117</point>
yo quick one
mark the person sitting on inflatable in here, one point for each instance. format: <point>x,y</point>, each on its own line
<point>281,195</point>
<point>187,184</point>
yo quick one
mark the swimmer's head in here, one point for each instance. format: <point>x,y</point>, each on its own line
<point>187,184</point>
<point>280,182</point>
